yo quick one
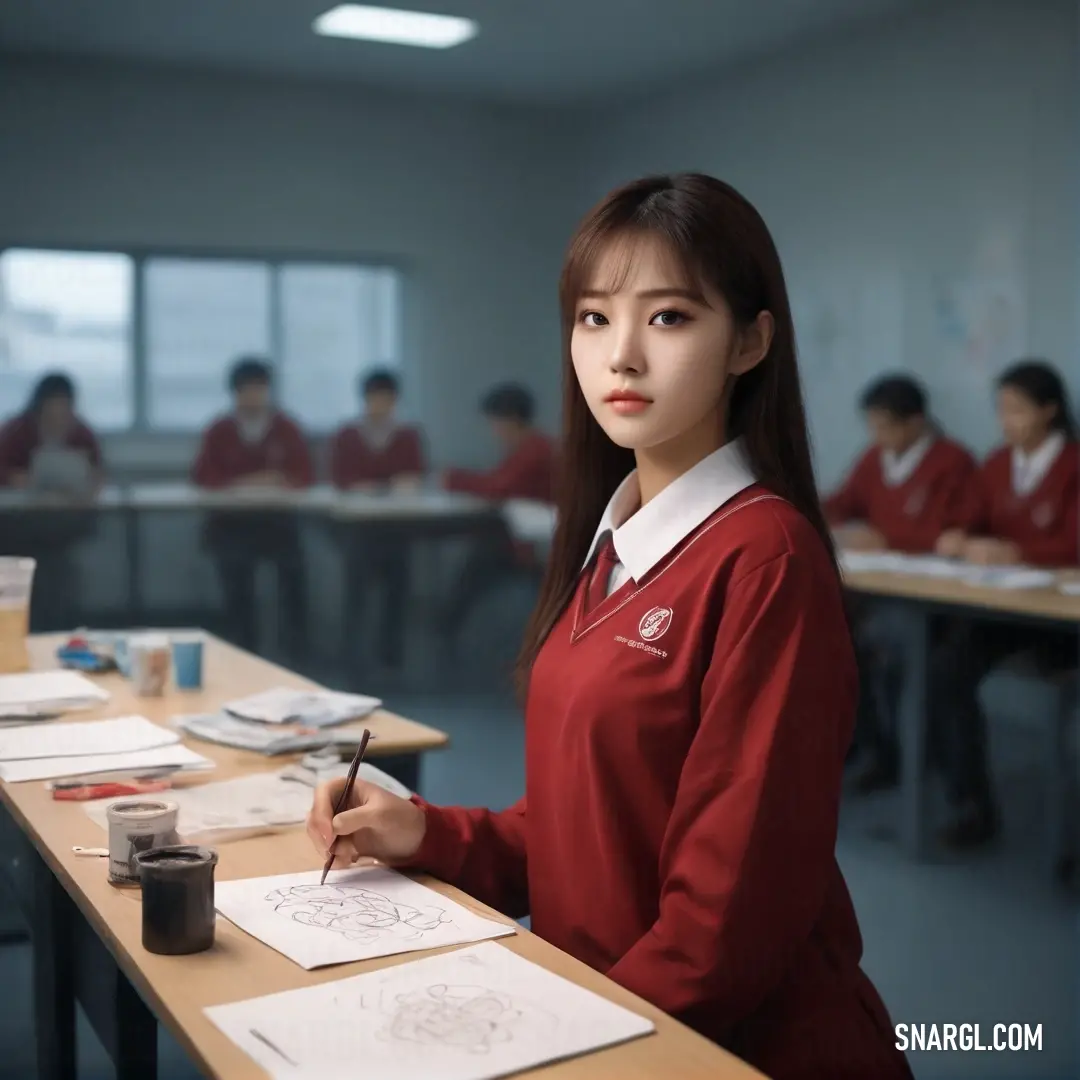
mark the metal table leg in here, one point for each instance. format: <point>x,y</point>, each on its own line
<point>914,790</point>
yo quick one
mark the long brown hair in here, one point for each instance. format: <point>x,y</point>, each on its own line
<point>721,241</point>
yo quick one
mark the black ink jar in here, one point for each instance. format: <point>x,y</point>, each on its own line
<point>177,899</point>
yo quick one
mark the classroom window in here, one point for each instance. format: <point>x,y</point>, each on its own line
<point>200,315</point>
<point>335,321</point>
<point>149,339</point>
<point>69,311</point>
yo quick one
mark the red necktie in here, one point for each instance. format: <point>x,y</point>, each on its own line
<point>604,564</point>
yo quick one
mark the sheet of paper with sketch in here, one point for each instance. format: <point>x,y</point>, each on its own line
<point>60,470</point>
<point>472,1014</point>
<point>357,915</point>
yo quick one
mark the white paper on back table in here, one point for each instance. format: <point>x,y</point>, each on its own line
<point>122,735</point>
<point>134,763</point>
<point>39,693</point>
<point>270,739</point>
<point>472,1014</point>
<point>312,708</point>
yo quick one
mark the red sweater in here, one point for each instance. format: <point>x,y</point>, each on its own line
<point>226,457</point>
<point>1042,524</point>
<point>685,743</point>
<point>353,460</point>
<point>20,439</point>
<point>913,514</point>
<point>527,473</point>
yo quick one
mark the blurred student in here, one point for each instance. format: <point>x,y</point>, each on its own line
<point>1028,498</point>
<point>256,445</point>
<point>376,452</point>
<point>49,423</point>
<point>527,471</point>
<point>906,490</point>
<point>48,447</point>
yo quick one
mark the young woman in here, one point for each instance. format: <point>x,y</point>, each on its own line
<point>691,683</point>
<point>1028,498</point>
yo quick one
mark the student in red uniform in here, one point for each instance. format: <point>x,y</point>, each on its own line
<point>50,422</point>
<point>527,471</point>
<point>256,445</point>
<point>1029,492</point>
<point>908,488</point>
<point>376,453</point>
<point>691,680</point>
<point>905,490</point>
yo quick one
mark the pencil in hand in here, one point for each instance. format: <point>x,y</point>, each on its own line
<point>343,798</point>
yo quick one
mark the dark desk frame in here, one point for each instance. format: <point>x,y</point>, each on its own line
<point>914,700</point>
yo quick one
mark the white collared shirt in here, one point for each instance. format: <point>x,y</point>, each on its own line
<point>643,535</point>
<point>897,469</point>
<point>1029,470</point>
<point>253,430</point>
<point>377,434</point>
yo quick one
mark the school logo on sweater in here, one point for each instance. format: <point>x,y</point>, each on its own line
<point>915,503</point>
<point>655,623</point>
<point>1043,515</point>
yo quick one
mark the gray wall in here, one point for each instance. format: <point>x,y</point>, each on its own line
<point>891,163</point>
<point>471,201</point>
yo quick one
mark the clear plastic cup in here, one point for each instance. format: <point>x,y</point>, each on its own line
<point>16,586</point>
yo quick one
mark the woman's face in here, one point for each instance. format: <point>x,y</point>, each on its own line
<point>653,354</point>
<point>1023,423</point>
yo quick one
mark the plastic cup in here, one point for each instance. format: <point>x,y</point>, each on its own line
<point>122,655</point>
<point>16,585</point>
<point>150,660</point>
<point>187,660</point>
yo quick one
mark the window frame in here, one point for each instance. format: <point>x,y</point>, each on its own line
<point>273,259</point>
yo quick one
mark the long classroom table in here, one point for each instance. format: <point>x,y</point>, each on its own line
<point>88,933</point>
<point>923,598</point>
<point>430,513</point>
<point>73,956</point>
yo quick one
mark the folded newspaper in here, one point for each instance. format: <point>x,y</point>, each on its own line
<point>264,738</point>
<point>309,708</point>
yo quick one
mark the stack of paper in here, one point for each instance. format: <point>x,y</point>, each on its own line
<point>128,744</point>
<point>47,693</point>
<point>309,708</point>
<point>261,738</point>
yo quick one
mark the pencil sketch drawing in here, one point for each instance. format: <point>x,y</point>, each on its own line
<point>355,913</point>
<point>471,1019</point>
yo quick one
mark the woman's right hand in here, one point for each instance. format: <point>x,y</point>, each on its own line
<point>375,824</point>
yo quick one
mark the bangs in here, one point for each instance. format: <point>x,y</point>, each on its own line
<point>603,258</point>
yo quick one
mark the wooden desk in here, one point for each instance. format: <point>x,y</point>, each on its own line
<point>1042,605</point>
<point>69,959</point>
<point>923,597</point>
<point>104,959</point>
